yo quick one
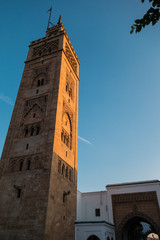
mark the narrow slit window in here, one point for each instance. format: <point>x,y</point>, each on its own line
<point>21,165</point>
<point>29,164</point>
<point>38,83</point>
<point>59,166</point>
<point>42,82</point>
<point>26,132</point>
<point>19,191</point>
<point>70,175</point>
<point>38,130</point>
<point>63,169</point>
<point>66,175</point>
<point>32,131</point>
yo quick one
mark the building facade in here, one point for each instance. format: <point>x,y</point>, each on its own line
<point>38,167</point>
<point>118,211</point>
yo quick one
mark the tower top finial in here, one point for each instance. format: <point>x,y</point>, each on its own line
<point>59,20</point>
<point>49,22</point>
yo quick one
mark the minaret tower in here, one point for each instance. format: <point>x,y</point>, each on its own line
<point>38,167</point>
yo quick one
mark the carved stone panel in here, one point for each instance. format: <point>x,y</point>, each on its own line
<point>45,48</point>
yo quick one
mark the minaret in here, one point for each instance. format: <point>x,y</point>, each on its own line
<point>38,177</point>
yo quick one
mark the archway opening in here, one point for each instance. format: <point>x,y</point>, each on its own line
<point>93,237</point>
<point>137,229</point>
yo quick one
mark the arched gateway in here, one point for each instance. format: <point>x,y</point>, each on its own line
<point>136,215</point>
<point>137,227</point>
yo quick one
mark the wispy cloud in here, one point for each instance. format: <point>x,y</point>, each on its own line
<point>6,99</point>
<point>84,140</point>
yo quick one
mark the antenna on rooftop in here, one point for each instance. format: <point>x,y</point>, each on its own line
<point>49,22</point>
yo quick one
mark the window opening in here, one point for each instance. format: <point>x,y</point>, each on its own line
<point>42,82</point>
<point>19,190</point>
<point>26,132</point>
<point>21,165</point>
<point>29,164</point>
<point>70,175</point>
<point>59,166</point>
<point>62,134</point>
<point>63,169</point>
<point>66,175</point>
<point>34,115</point>
<point>32,131</point>
<point>38,83</point>
<point>38,130</point>
<point>27,146</point>
<point>97,212</point>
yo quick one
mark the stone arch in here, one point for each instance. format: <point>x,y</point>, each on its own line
<point>64,117</point>
<point>66,132</point>
<point>93,237</point>
<point>40,79</point>
<point>132,215</point>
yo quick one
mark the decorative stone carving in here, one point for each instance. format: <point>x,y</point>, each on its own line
<point>134,197</point>
<point>66,109</point>
<point>39,75</point>
<point>69,85</point>
<point>41,102</point>
<point>65,170</point>
<point>66,132</point>
<point>71,58</point>
<point>30,162</point>
<point>45,48</point>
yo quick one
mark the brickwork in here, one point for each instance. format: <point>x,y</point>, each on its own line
<point>127,206</point>
<point>37,201</point>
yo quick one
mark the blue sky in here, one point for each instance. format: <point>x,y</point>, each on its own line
<point>119,100</point>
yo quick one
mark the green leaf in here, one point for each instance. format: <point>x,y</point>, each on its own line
<point>131,31</point>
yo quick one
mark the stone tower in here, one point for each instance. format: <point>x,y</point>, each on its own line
<point>38,167</point>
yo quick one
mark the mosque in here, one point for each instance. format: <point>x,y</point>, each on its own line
<point>38,168</point>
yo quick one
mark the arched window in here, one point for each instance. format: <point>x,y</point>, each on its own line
<point>63,169</point>
<point>67,141</point>
<point>42,81</point>
<point>66,175</point>
<point>28,164</point>
<point>70,141</point>
<point>26,132</point>
<point>59,166</point>
<point>70,175</point>
<point>38,83</point>
<point>21,165</point>
<point>70,92</point>
<point>67,87</point>
<point>62,135</point>
<point>66,137</point>
<point>32,131</point>
<point>38,130</point>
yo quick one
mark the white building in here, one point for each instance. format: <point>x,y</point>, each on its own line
<point>95,211</point>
